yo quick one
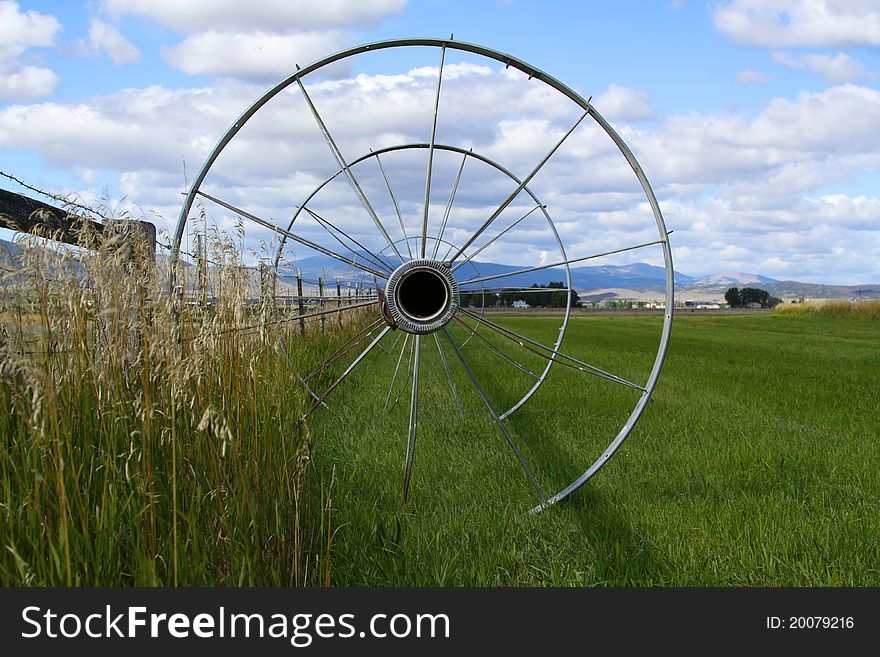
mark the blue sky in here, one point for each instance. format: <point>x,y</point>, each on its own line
<point>758,123</point>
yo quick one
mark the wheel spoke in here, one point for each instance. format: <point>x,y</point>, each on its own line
<point>396,370</point>
<point>555,354</point>
<point>359,337</point>
<point>465,338</point>
<point>469,331</point>
<point>347,371</point>
<point>497,419</point>
<point>396,206</point>
<point>293,236</point>
<point>561,263</point>
<point>449,377</point>
<point>489,243</point>
<point>394,344</point>
<point>495,350</point>
<point>409,365</point>
<point>330,228</point>
<point>521,186</point>
<point>431,152</point>
<point>295,318</point>
<point>413,420</point>
<point>449,207</point>
<point>299,378</point>
<point>513,290</point>
<point>340,160</point>
<point>310,391</point>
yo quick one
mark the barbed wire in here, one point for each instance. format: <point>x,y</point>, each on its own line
<point>309,317</point>
<point>55,197</point>
<point>91,210</point>
<point>295,318</point>
<point>359,285</point>
<point>23,272</point>
<point>256,268</point>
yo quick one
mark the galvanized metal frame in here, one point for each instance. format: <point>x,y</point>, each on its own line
<point>553,83</point>
<point>465,153</point>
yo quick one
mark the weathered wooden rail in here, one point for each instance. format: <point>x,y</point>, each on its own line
<point>28,215</point>
<point>135,241</point>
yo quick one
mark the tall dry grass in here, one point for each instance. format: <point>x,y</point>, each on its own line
<point>865,309</point>
<point>145,442</point>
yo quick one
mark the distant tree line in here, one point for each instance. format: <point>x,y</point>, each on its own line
<point>554,297</point>
<point>741,298</point>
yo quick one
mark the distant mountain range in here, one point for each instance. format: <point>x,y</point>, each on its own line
<point>717,284</point>
<point>8,251</point>
<point>598,281</point>
<point>637,276</point>
<point>730,279</point>
<point>641,278</point>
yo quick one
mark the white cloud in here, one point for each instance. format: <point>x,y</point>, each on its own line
<point>267,15</point>
<point>256,41</point>
<point>859,213</point>
<point>811,240</point>
<point>787,59</point>
<point>750,76</point>
<point>836,69</point>
<point>27,82</point>
<point>625,104</point>
<point>740,192</point>
<point>841,119</point>
<point>19,32</point>
<point>783,23</point>
<point>840,125</point>
<point>252,56</point>
<point>104,37</point>
<point>134,129</point>
<point>757,184</point>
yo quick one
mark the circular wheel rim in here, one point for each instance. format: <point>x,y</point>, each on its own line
<point>555,353</point>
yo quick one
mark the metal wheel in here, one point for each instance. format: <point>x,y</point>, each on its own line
<point>394,167</point>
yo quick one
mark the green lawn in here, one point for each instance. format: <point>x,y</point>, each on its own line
<point>757,464</point>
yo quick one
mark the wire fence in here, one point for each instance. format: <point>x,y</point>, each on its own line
<point>315,298</point>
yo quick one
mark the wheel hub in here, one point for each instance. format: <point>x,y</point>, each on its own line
<point>422,296</point>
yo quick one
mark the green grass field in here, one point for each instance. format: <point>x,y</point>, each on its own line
<point>129,457</point>
<point>757,464</point>
<point>131,454</point>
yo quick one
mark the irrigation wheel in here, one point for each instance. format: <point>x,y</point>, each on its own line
<point>427,182</point>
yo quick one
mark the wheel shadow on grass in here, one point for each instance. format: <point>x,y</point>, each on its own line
<point>466,522</point>
<point>602,540</point>
<point>474,530</point>
<point>614,549</point>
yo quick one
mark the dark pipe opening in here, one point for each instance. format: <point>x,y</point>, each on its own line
<point>422,295</point>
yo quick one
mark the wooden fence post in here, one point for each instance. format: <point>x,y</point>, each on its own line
<point>321,296</point>
<point>339,299</point>
<point>201,272</point>
<point>299,296</point>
